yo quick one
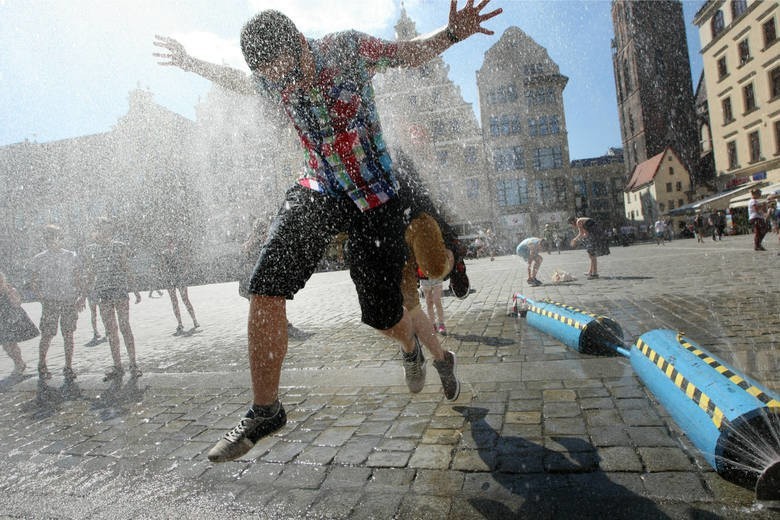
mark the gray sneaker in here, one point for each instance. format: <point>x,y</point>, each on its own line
<point>243,437</point>
<point>449,381</point>
<point>415,369</point>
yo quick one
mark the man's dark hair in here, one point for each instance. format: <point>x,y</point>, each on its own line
<point>268,35</point>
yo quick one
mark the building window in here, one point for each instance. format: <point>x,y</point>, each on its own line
<point>512,192</point>
<point>472,189</point>
<point>774,83</point>
<point>438,129</point>
<point>731,150</point>
<point>777,137</point>
<point>723,70</point>
<point>737,8</point>
<point>678,185</point>
<point>755,146</point>
<point>548,158</point>
<point>668,187</point>
<point>508,159</point>
<point>770,32</point>
<point>744,51</point>
<point>495,130</point>
<point>750,97</point>
<point>671,205</point>
<point>470,155</point>
<point>728,115</point>
<point>717,24</point>
<point>560,190</point>
<point>671,170</point>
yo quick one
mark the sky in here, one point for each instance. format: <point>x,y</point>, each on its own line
<point>67,66</point>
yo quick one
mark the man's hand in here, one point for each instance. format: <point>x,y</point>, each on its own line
<point>177,56</point>
<point>468,20</point>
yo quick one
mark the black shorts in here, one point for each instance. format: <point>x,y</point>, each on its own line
<point>303,229</point>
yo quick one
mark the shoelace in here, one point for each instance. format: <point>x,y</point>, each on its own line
<point>236,433</point>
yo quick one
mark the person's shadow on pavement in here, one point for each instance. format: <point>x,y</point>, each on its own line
<point>521,467</point>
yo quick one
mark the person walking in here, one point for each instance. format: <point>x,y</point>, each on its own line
<point>757,218</point>
<point>175,275</point>
<point>109,275</point>
<point>15,325</point>
<point>324,86</point>
<point>591,235</point>
<point>660,232</point>
<point>57,281</point>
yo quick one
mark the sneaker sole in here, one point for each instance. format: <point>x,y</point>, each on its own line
<point>455,375</point>
<point>240,448</point>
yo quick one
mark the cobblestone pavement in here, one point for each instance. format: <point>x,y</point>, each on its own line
<point>539,431</point>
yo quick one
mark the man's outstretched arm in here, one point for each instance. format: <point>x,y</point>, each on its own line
<point>222,75</point>
<point>462,24</point>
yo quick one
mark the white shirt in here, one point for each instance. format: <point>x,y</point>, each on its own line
<point>56,273</point>
<point>753,210</point>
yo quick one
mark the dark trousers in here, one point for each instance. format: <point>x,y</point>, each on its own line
<point>759,231</point>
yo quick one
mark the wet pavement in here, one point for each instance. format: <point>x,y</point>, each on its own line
<point>539,430</point>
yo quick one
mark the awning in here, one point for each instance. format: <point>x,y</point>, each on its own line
<point>713,202</point>
<point>742,200</point>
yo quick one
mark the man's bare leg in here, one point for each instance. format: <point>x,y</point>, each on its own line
<point>267,346</point>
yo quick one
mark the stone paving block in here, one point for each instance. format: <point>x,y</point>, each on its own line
<point>650,436</point>
<point>431,456</point>
<point>474,460</point>
<point>665,459</point>
<point>597,403</point>
<point>559,395</point>
<point>685,486</point>
<point>395,480</point>
<point>438,482</point>
<point>640,417</point>
<point>388,459</point>
<point>611,435</point>
<point>564,426</point>
<point>424,507</point>
<point>320,455</point>
<point>335,436</point>
<point>602,417</point>
<point>562,409</point>
<point>440,436</point>
<point>292,503</point>
<point>345,477</point>
<point>619,459</point>
<point>377,505</point>
<point>333,503</point>
<point>283,452</point>
<point>301,476</point>
<point>261,474</point>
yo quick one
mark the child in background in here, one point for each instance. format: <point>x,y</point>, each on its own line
<point>432,288</point>
<point>529,250</point>
<point>15,325</point>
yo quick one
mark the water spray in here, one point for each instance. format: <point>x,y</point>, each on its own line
<point>731,419</point>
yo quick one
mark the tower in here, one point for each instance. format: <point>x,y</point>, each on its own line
<point>653,83</point>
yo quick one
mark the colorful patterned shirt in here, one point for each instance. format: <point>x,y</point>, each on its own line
<point>337,120</point>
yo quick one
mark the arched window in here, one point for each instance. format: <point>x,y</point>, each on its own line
<point>717,24</point>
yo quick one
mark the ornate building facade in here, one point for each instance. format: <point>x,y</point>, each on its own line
<point>524,134</point>
<point>741,59</point>
<point>423,113</point>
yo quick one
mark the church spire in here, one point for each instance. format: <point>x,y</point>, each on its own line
<point>405,29</point>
